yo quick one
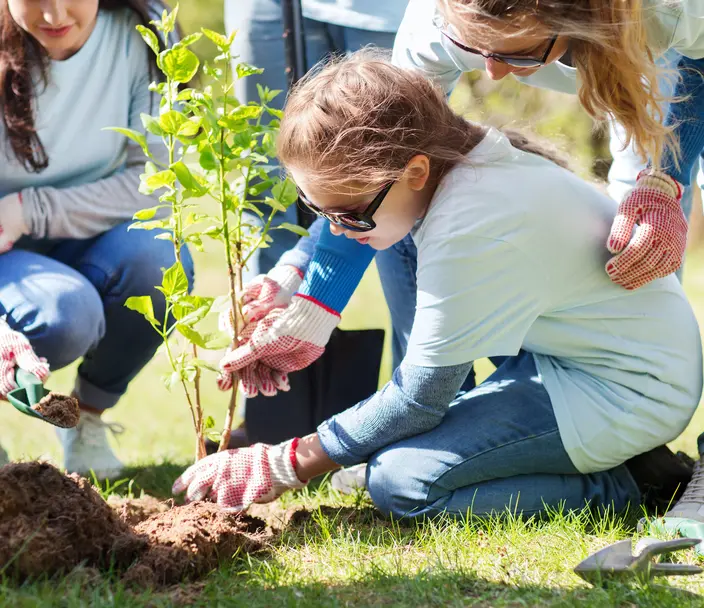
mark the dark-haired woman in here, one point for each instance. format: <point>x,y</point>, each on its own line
<point>68,190</point>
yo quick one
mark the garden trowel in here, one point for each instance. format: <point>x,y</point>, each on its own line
<point>30,392</point>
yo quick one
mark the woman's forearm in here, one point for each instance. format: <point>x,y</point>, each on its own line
<point>312,459</point>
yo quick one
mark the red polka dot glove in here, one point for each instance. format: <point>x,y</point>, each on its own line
<point>235,479</point>
<point>264,293</point>
<point>12,225</point>
<point>15,351</point>
<point>286,340</point>
<point>657,248</point>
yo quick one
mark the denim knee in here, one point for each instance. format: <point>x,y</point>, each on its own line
<point>67,328</point>
<point>392,486</point>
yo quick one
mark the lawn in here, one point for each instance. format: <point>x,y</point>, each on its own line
<point>346,555</point>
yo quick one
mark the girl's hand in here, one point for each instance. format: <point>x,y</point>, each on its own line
<point>12,225</point>
<point>15,351</point>
<point>264,293</point>
<point>235,479</point>
<point>657,248</point>
<point>286,340</point>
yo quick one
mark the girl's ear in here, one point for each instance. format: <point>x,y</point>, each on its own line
<point>417,172</point>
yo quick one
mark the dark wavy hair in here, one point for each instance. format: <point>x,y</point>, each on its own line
<point>22,59</point>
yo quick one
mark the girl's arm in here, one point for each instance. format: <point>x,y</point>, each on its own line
<point>84,211</point>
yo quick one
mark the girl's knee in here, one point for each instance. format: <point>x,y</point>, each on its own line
<point>392,486</point>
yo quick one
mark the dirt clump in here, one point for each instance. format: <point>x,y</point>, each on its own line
<point>51,523</point>
<point>135,510</point>
<point>60,410</point>
<point>187,542</point>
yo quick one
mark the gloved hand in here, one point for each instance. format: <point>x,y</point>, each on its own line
<point>286,340</point>
<point>264,293</point>
<point>15,351</point>
<point>235,479</point>
<point>657,248</point>
<point>12,225</point>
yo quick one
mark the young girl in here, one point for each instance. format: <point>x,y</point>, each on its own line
<point>594,374</point>
<point>68,190</point>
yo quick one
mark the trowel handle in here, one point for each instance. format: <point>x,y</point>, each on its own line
<point>27,379</point>
<point>34,389</point>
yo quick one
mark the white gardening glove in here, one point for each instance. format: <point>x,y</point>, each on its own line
<point>16,351</point>
<point>12,224</point>
<point>235,479</point>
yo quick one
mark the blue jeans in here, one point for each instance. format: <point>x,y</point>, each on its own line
<point>498,447</point>
<point>68,298</point>
<point>259,42</point>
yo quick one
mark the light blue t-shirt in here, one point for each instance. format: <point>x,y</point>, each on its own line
<point>511,256</point>
<point>91,182</point>
<point>369,15</point>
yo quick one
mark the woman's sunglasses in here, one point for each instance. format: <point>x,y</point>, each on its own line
<point>357,222</point>
<point>517,61</point>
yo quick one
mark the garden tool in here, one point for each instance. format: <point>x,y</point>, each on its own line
<point>617,563</point>
<point>686,517</point>
<point>30,391</point>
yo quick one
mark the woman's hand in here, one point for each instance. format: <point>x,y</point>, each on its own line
<point>235,479</point>
<point>286,340</point>
<point>657,248</point>
<point>12,225</point>
<point>16,351</point>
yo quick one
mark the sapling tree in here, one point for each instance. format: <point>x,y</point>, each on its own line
<point>218,169</point>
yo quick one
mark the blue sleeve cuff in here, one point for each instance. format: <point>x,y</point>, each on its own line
<point>336,270</point>
<point>688,117</point>
<point>301,255</point>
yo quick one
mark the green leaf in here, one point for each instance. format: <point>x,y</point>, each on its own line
<point>257,189</point>
<point>136,136</point>
<point>162,179</point>
<point>150,225</point>
<point>285,192</point>
<point>207,159</point>
<point>171,121</point>
<point>174,280</point>
<point>209,423</point>
<point>300,231</point>
<point>191,335</point>
<point>243,70</point>
<point>147,214</point>
<point>190,127</point>
<point>179,64</point>
<point>274,204</point>
<point>275,113</point>
<point>216,341</point>
<point>151,124</point>
<point>219,40</point>
<point>144,306</point>
<point>187,179</point>
<point>171,380</point>
<point>150,38</point>
<point>189,40</point>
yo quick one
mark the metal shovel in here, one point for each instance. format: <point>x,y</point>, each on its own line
<point>616,563</point>
<point>30,391</point>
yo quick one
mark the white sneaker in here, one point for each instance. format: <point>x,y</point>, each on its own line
<point>86,447</point>
<point>349,480</point>
<point>4,458</point>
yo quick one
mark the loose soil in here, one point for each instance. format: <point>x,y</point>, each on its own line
<point>51,523</point>
<point>60,410</point>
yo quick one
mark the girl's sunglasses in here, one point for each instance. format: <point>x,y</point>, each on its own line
<point>517,61</point>
<point>357,222</point>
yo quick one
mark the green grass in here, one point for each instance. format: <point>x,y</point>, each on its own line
<point>350,557</point>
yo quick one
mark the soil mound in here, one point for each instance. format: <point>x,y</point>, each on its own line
<point>60,410</point>
<point>135,510</point>
<point>187,542</point>
<point>50,523</point>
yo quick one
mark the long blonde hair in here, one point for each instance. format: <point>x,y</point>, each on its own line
<point>609,49</point>
<point>362,119</point>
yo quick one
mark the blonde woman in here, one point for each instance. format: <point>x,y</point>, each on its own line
<point>593,374</point>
